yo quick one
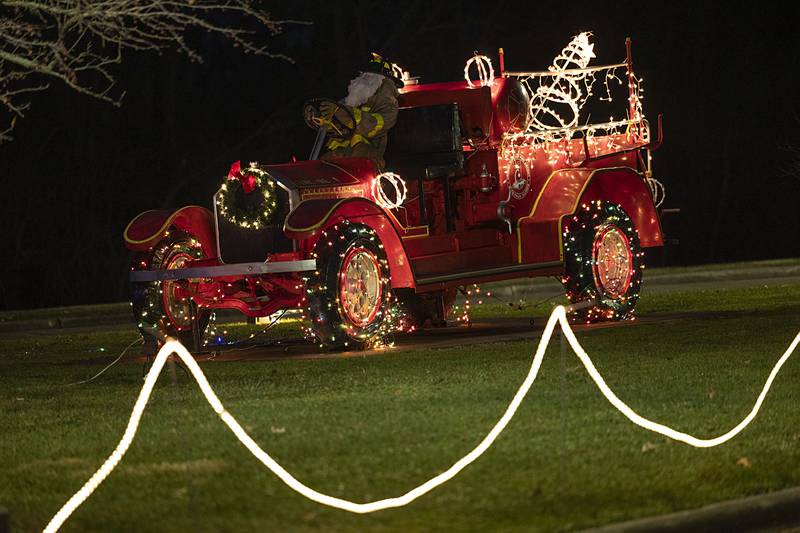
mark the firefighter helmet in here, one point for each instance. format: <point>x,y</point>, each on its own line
<point>382,65</point>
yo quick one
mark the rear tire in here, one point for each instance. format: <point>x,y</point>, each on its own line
<point>158,307</point>
<point>603,262</point>
<point>349,302</point>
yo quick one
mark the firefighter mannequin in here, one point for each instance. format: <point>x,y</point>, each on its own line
<point>372,101</point>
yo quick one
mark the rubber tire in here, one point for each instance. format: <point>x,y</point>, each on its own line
<point>324,313</point>
<point>579,234</point>
<point>153,325</point>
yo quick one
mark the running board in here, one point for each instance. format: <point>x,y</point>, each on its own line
<point>238,269</point>
<point>488,272</point>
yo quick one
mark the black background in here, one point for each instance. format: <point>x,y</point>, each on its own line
<point>725,77</point>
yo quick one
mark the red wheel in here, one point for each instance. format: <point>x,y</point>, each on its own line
<point>602,262</point>
<point>348,299</point>
<point>360,286</point>
<point>161,309</point>
<point>175,301</point>
<point>612,264</point>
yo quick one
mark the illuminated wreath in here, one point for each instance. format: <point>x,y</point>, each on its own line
<point>247,197</point>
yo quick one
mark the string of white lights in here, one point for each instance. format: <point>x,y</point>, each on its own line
<point>379,193</point>
<point>657,191</point>
<point>565,87</point>
<point>557,99</point>
<point>558,317</point>
<point>485,71</point>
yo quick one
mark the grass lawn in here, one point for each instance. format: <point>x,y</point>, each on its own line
<point>374,427</point>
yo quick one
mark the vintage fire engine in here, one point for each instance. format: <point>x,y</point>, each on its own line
<point>475,194</point>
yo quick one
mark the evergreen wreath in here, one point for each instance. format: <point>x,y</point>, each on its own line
<point>247,197</point>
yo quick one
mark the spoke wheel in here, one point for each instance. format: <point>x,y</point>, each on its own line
<point>176,306</point>
<point>612,261</point>
<point>348,298</point>
<point>360,287</point>
<point>602,263</point>
<point>162,309</point>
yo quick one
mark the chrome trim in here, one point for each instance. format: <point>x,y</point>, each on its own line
<point>216,224</point>
<point>294,193</point>
<point>294,200</point>
<point>488,272</point>
<point>237,269</point>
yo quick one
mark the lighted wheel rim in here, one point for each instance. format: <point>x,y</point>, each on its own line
<point>613,261</point>
<point>360,287</point>
<point>176,307</point>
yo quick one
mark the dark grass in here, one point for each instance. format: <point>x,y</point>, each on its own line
<point>373,427</point>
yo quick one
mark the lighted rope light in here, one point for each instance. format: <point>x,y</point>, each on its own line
<point>379,193</point>
<point>558,317</point>
<point>485,70</point>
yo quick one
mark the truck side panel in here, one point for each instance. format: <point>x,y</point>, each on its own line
<point>539,232</point>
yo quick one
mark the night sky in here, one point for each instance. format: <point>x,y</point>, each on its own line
<point>78,169</point>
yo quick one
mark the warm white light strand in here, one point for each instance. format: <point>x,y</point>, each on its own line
<point>558,97</point>
<point>564,88</point>
<point>379,193</point>
<point>559,316</point>
<point>657,191</point>
<point>485,71</point>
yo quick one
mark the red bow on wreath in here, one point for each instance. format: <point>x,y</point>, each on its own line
<point>249,181</point>
<point>235,170</point>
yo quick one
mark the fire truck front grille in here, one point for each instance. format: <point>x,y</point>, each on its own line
<point>243,245</point>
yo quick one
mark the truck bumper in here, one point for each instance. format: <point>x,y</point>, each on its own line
<point>238,269</point>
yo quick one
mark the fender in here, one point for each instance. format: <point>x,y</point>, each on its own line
<point>149,227</point>
<point>311,217</point>
<point>564,191</point>
<point>625,187</point>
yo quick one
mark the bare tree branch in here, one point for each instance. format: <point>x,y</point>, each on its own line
<point>79,42</point>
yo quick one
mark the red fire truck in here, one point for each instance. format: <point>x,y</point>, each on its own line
<point>468,201</point>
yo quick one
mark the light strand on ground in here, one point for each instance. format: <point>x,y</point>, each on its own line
<point>558,317</point>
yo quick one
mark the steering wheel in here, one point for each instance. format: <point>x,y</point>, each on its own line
<point>315,120</point>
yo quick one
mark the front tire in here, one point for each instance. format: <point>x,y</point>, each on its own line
<point>162,309</point>
<point>603,262</point>
<point>349,302</point>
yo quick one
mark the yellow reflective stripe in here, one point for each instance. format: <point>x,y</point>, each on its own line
<point>357,139</point>
<point>333,144</point>
<point>357,115</point>
<point>378,125</point>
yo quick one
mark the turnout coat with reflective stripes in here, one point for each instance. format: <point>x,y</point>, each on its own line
<point>373,120</point>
